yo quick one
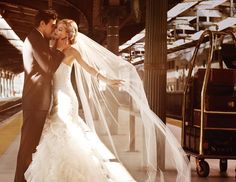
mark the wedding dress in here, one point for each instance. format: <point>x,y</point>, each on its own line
<point>64,154</point>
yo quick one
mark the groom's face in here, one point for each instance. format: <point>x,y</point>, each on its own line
<point>49,28</point>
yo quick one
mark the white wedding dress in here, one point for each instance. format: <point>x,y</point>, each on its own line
<point>64,154</point>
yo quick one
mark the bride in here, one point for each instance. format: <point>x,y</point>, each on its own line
<point>64,153</point>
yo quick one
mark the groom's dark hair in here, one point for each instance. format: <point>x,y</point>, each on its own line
<point>45,15</point>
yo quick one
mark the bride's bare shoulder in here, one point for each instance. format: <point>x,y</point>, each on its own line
<point>72,51</point>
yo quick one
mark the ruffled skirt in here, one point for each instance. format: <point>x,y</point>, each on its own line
<point>64,155</point>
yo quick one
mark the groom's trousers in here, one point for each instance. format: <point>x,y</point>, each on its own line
<point>33,123</point>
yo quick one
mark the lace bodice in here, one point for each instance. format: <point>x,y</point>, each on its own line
<point>65,101</point>
<point>61,77</point>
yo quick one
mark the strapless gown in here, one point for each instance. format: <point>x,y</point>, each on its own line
<point>64,154</point>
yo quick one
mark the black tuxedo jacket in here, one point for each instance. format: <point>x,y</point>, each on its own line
<point>40,63</point>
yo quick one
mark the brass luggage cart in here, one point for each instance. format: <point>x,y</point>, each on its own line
<point>209,108</point>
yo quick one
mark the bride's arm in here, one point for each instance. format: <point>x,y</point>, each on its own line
<point>90,69</point>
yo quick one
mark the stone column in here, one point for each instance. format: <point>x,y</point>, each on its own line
<point>156,56</point>
<point>155,62</point>
<point>113,30</point>
<point>7,84</point>
<point>12,84</point>
<point>113,45</point>
<point>112,12</point>
<point>4,84</point>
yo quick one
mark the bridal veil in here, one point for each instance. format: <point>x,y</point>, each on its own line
<point>103,105</point>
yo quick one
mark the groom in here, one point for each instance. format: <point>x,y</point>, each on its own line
<point>40,63</point>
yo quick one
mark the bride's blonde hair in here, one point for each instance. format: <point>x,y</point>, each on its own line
<point>71,29</point>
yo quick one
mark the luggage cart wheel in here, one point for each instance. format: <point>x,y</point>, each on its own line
<point>223,165</point>
<point>202,168</point>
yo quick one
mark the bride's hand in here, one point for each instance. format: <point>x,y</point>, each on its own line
<point>115,82</point>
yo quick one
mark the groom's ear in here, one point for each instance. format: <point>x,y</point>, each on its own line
<point>42,23</point>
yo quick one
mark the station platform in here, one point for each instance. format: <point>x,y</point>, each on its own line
<point>10,135</point>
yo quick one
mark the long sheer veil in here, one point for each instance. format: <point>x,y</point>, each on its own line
<point>111,108</point>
